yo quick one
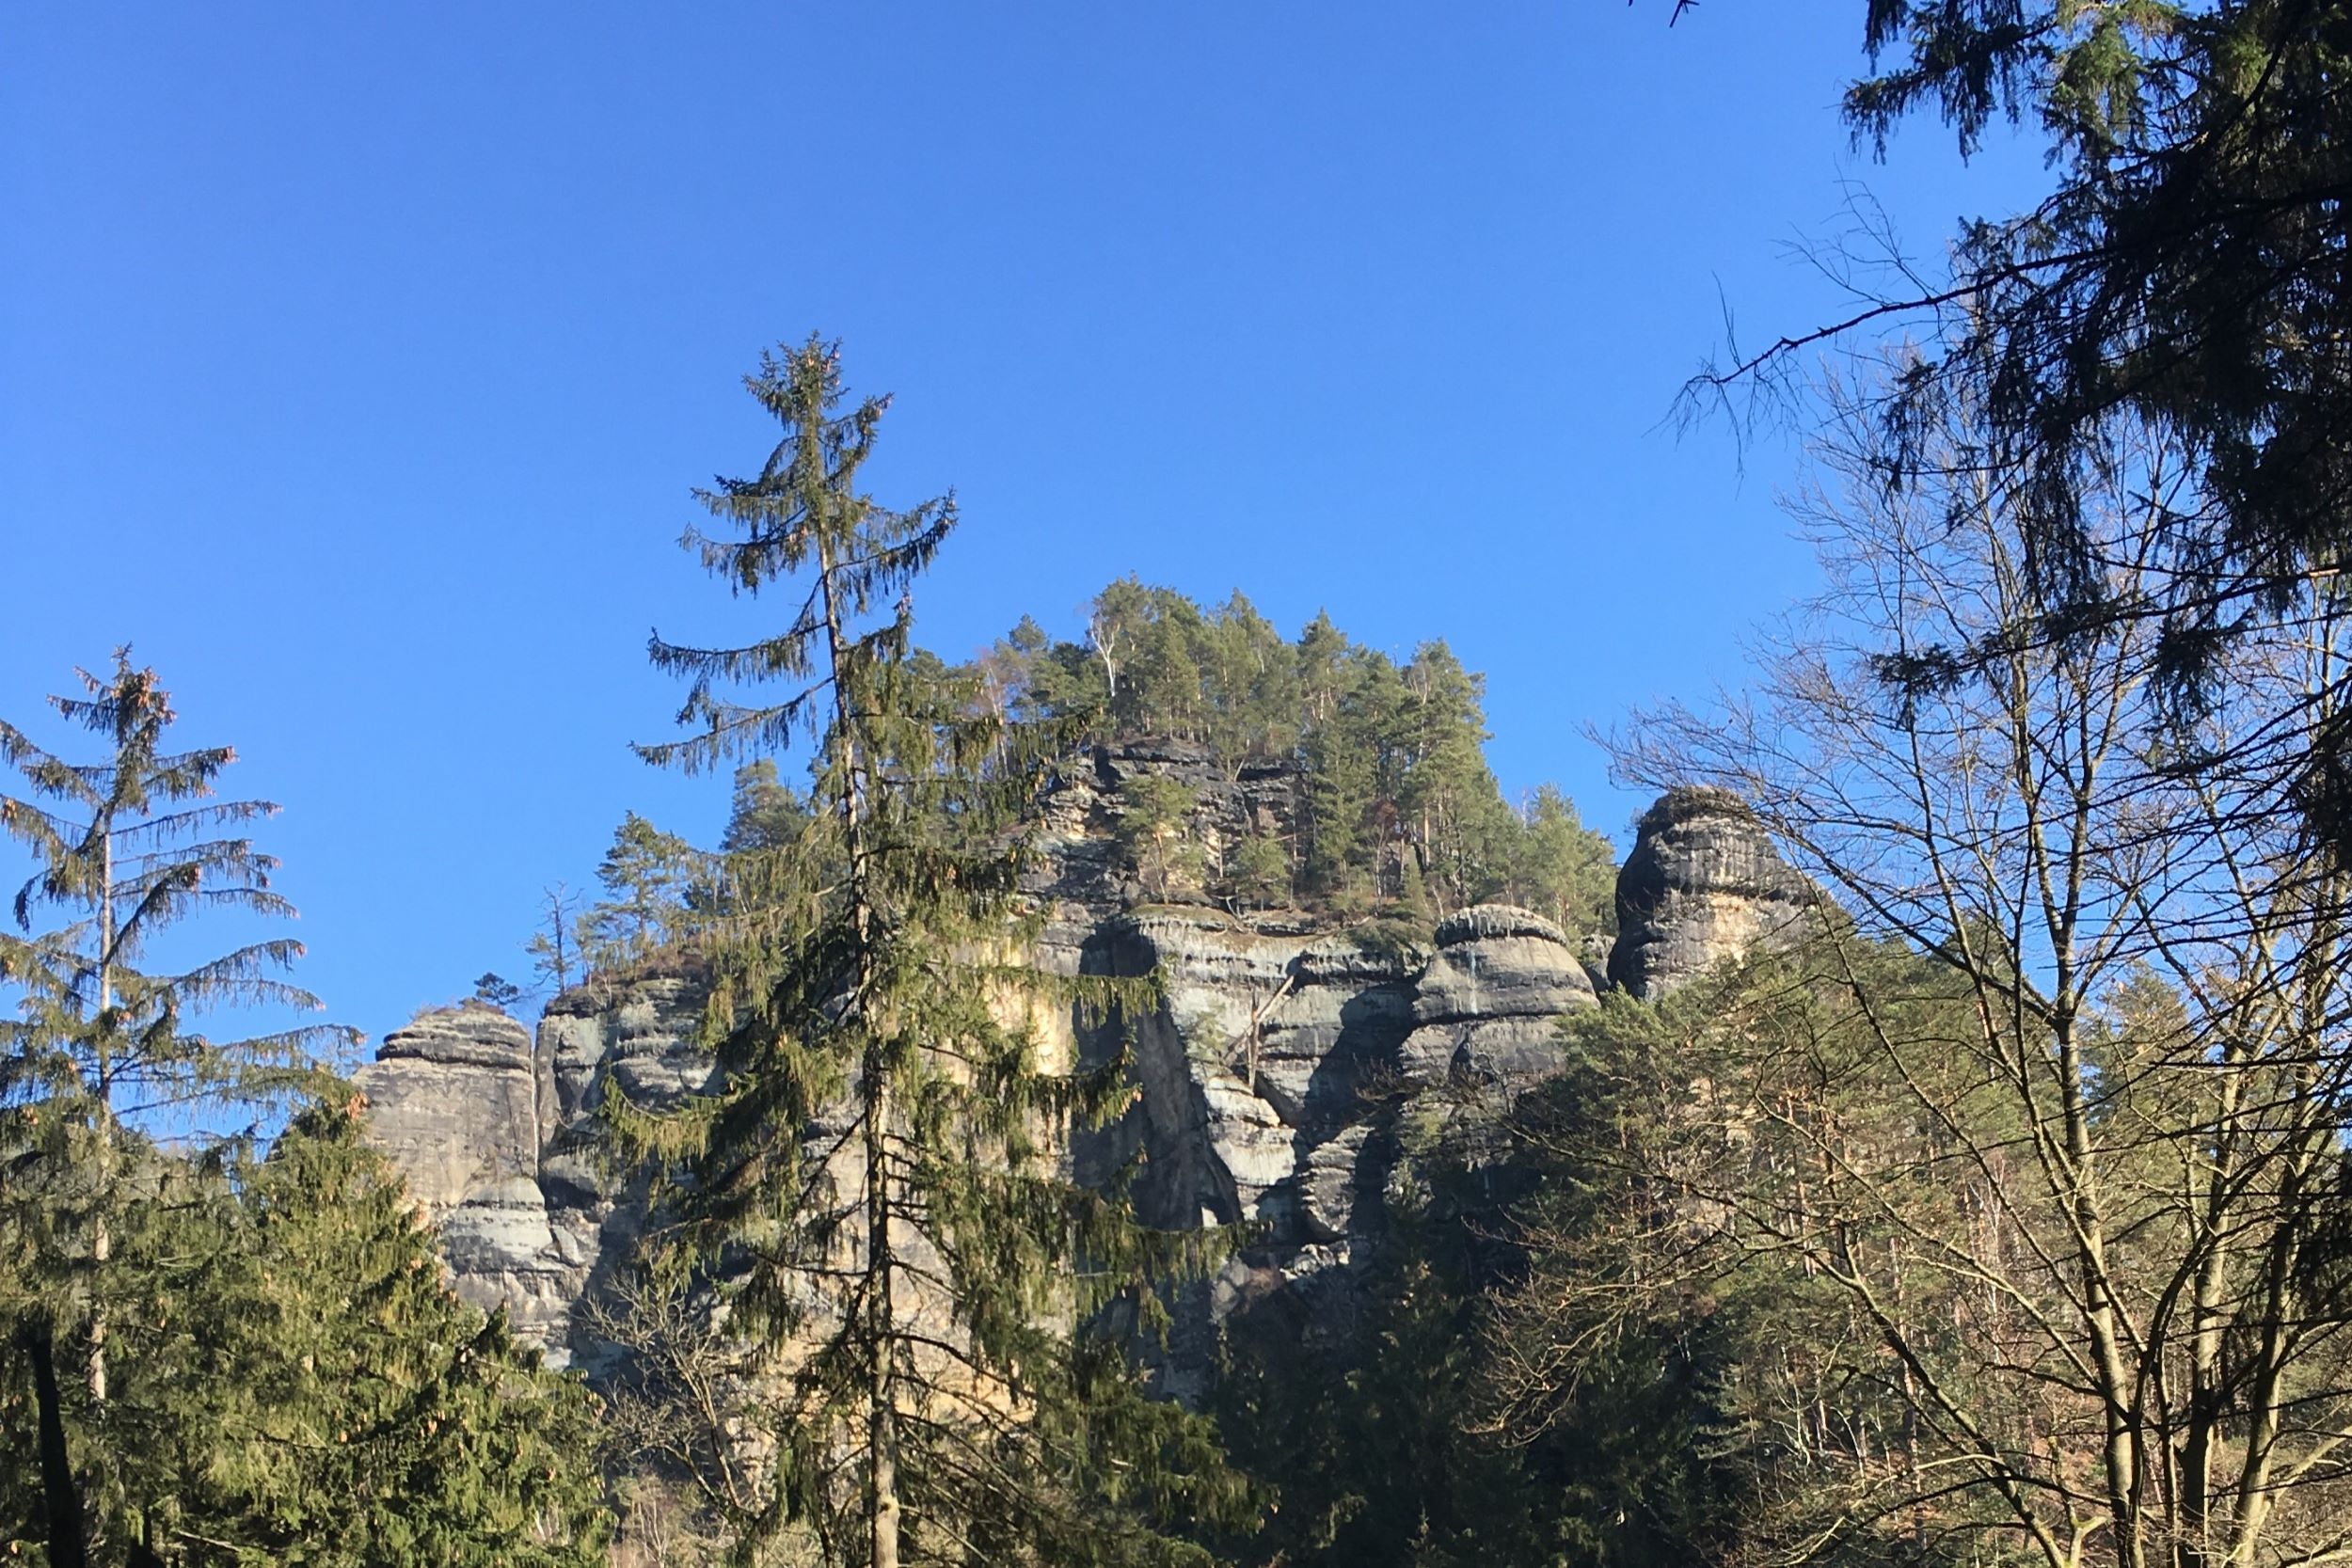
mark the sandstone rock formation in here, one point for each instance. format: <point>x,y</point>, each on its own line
<point>1485,1007</point>
<point>458,1099</point>
<point>1275,1072</point>
<point>1703,883</point>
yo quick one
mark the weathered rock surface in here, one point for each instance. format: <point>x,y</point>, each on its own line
<point>458,1100</point>
<point>1275,1072</point>
<point>1485,1008</point>
<point>638,1037</point>
<point>1703,883</point>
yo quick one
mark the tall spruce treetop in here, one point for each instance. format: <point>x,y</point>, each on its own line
<point>126,848</point>
<point>875,1170</point>
<point>2184,269</point>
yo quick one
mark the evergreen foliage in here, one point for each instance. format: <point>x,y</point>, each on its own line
<point>650,878</point>
<point>124,849</point>
<point>767,815</point>
<point>874,1175</point>
<point>1154,813</point>
<point>1398,803</point>
<point>2183,269</point>
<point>293,1380</point>
<point>272,1369</point>
<point>1395,1442</point>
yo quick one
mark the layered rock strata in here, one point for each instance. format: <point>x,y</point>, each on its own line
<point>1487,1009</point>
<point>1703,883</point>
<point>458,1100</point>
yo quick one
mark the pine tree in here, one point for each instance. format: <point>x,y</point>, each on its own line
<point>649,878</point>
<point>127,848</point>
<point>767,815</point>
<point>1449,810</point>
<point>1155,813</point>
<point>1253,687</point>
<point>878,1162</point>
<point>1559,868</point>
<point>1257,871</point>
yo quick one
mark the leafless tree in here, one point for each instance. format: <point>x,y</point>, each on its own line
<point>2043,1134</point>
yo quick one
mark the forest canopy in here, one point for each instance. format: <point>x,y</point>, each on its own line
<point>1398,803</point>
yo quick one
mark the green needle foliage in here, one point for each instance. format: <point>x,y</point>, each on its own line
<point>273,1368</point>
<point>2183,269</point>
<point>1393,789</point>
<point>876,1169</point>
<point>125,850</point>
<point>294,1382</point>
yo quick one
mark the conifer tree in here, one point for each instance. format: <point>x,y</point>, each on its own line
<point>767,815</point>
<point>649,877</point>
<point>1559,868</point>
<point>1155,812</point>
<point>1452,813</point>
<point>1253,692</point>
<point>296,1382</point>
<point>877,1162</point>
<point>126,848</point>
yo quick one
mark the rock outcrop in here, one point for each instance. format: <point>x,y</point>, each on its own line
<point>1278,1072</point>
<point>1485,1008</point>
<point>1703,883</point>
<point>459,1099</point>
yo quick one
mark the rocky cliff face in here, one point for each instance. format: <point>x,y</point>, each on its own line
<point>1276,1075</point>
<point>1703,881</point>
<point>460,1100</point>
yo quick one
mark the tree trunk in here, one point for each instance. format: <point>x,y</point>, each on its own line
<point>882,1413</point>
<point>102,1238</point>
<point>63,1500</point>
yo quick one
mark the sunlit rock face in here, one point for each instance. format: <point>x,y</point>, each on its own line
<point>1487,1009</point>
<point>1281,1067</point>
<point>1702,884</point>
<point>636,1034</point>
<point>458,1100</point>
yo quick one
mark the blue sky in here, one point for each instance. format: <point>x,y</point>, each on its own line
<point>355,364</point>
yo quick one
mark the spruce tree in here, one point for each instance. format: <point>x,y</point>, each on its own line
<point>876,1170</point>
<point>296,1381</point>
<point>126,848</point>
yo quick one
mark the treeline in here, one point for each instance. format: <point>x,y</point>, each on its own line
<point>1397,809</point>
<point>1398,805</point>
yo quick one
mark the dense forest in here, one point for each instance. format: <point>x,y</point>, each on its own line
<point>1995,1211</point>
<point>1399,805</point>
